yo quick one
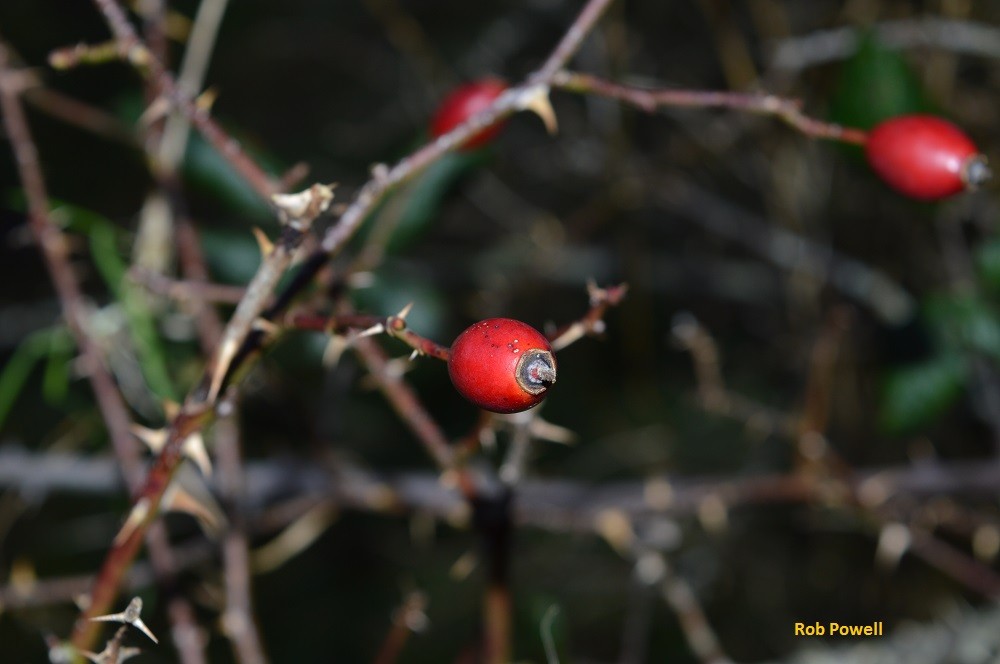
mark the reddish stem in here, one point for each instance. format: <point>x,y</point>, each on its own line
<point>787,110</point>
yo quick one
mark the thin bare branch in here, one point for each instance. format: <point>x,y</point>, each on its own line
<point>407,619</point>
<point>238,618</point>
<point>192,75</point>
<point>55,250</point>
<point>135,51</point>
<point>955,35</point>
<point>701,638</point>
<point>786,110</point>
<point>406,403</point>
<point>790,251</point>
<point>298,211</point>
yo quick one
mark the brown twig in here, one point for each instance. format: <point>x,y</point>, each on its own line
<point>491,510</point>
<point>165,148</point>
<point>171,147</point>
<point>55,250</point>
<point>199,406</point>
<point>557,506</point>
<point>698,632</point>
<point>491,514</point>
<point>571,42</point>
<point>154,19</point>
<point>198,409</point>
<point>786,110</point>
<point>787,250</point>
<point>560,506</point>
<point>532,95</point>
<point>497,627</point>
<point>866,498</point>
<point>713,395</point>
<point>934,32</point>
<point>194,290</point>
<point>406,620</point>
<point>393,326</point>
<point>133,50</point>
<point>639,612</point>
<point>113,408</point>
<point>238,619</point>
<point>84,54</point>
<point>79,114</point>
<point>406,403</point>
<point>592,323</point>
<point>185,633</point>
<point>961,567</point>
<point>810,439</point>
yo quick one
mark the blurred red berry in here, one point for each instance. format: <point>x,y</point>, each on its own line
<point>502,365</point>
<point>925,157</point>
<point>464,102</point>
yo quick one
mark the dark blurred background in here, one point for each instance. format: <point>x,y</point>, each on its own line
<point>765,240</point>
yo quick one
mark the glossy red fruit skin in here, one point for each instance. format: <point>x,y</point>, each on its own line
<point>464,102</point>
<point>486,359</point>
<point>921,156</point>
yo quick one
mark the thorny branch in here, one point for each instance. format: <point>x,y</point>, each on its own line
<point>554,505</point>
<point>198,408</point>
<point>132,49</point>
<point>299,211</point>
<point>56,253</point>
<point>820,465</point>
<point>406,404</point>
<point>787,110</point>
<point>491,504</point>
<point>406,620</point>
<point>257,312</point>
<point>110,402</point>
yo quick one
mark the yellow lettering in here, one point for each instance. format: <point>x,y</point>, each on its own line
<point>800,629</point>
<point>837,629</point>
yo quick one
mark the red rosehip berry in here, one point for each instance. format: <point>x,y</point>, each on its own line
<point>925,157</point>
<point>502,365</point>
<point>464,102</point>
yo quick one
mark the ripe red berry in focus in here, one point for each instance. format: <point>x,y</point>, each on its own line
<point>925,157</point>
<point>464,102</point>
<point>502,365</point>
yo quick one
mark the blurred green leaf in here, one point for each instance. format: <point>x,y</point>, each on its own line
<point>206,170</point>
<point>55,382</point>
<point>414,208</point>
<point>232,257</point>
<point>29,352</point>
<point>915,395</point>
<point>876,83</point>
<point>392,288</point>
<point>964,322</point>
<point>104,239</point>
<point>988,264</point>
<point>425,197</point>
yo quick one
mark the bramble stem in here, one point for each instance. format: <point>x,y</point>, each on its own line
<point>787,110</point>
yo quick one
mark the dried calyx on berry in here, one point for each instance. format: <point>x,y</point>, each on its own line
<point>502,365</point>
<point>925,157</point>
<point>535,371</point>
